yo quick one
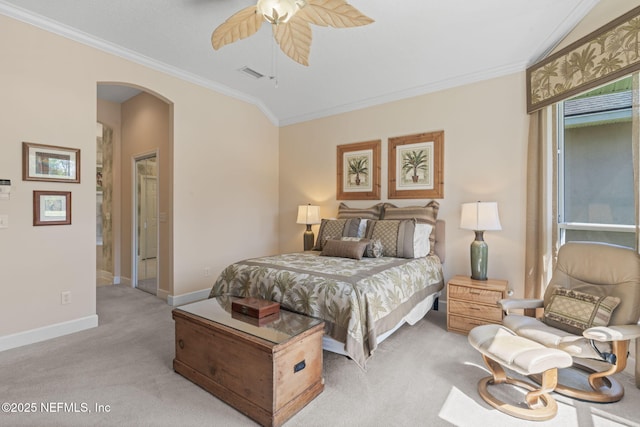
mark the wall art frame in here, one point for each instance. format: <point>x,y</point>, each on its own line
<point>358,171</point>
<point>50,163</point>
<point>416,166</point>
<point>51,208</point>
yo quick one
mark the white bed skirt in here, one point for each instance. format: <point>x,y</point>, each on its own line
<point>418,312</point>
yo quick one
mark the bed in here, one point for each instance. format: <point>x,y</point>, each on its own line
<point>362,301</point>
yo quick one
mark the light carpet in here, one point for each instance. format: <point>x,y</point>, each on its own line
<point>120,374</point>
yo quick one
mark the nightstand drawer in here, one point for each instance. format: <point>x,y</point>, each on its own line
<point>465,324</point>
<point>486,296</point>
<point>491,313</point>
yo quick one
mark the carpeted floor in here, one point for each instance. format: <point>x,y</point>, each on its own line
<point>120,374</point>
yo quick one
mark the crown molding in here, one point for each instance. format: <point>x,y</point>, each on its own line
<point>579,12</point>
<point>76,35</point>
<point>409,93</point>
<point>563,30</point>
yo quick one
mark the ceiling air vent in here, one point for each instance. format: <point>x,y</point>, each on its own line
<point>251,72</point>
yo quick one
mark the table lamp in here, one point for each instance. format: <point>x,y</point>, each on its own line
<point>308,215</point>
<point>479,217</point>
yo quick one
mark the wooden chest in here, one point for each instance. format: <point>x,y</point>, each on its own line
<point>471,303</point>
<point>264,373</point>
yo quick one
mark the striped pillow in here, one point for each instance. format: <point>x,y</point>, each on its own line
<point>401,239</point>
<point>335,229</point>
<point>573,311</point>
<point>373,212</point>
<point>344,248</point>
<point>427,214</point>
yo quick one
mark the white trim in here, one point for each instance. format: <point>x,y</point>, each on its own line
<point>563,30</point>
<point>409,93</point>
<point>175,300</point>
<point>162,294</point>
<point>81,37</point>
<point>47,332</point>
<point>74,34</point>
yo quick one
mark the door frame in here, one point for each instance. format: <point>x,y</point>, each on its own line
<point>134,216</point>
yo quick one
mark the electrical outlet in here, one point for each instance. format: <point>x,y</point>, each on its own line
<point>65,297</point>
<point>207,271</point>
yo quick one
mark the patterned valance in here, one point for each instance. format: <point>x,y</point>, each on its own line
<point>604,55</point>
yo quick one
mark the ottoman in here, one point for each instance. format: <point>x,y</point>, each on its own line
<point>502,348</point>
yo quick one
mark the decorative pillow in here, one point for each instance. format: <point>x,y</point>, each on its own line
<point>362,229</point>
<point>421,243</point>
<point>374,247</point>
<point>427,214</point>
<point>373,212</point>
<point>574,311</point>
<point>400,238</point>
<point>335,229</point>
<point>344,248</point>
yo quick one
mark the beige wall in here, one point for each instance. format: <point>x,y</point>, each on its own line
<point>146,129</point>
<point>605,11</point>
<point>222,211</point>
<point>485,136</point>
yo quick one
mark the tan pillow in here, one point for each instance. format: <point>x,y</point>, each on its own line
<point>373,212</point>
<point>400,238</point>
<point>335,229</point>
<point>573,311</point>
<point>427,214</point>
<point>344,248</point>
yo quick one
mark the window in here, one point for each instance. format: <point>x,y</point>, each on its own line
<point>595,166</point>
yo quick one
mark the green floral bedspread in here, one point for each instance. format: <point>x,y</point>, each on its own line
<point>357,299</point>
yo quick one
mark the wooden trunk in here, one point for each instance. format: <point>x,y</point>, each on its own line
<point>267,382</point>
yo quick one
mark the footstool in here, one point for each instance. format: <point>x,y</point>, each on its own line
<point>502,348</point>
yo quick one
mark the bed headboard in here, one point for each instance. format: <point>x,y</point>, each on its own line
<point>440,243</point>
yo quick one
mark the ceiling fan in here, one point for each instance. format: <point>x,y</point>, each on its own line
<point>290,21</point>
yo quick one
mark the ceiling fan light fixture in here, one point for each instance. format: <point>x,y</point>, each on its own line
<point>277,11</point>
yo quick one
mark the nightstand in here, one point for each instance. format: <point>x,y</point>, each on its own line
<point>471,303</point>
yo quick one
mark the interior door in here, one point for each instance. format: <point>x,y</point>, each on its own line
<point>146,214</point>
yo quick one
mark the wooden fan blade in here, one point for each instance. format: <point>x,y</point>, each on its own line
<point>294,38</point>
<point>239,26</point>
<point>333,13</point>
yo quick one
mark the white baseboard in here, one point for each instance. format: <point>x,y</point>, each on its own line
<point>175,300</point>
<point>47,332</point>
<point>162,294</point>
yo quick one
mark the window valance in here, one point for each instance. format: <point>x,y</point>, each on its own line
<point>604,55</point>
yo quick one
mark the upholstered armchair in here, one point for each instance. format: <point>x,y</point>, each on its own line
<point>591,311</point>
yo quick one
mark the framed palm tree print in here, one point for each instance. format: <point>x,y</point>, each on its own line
<point>416,164</point>
<point>358,171</point>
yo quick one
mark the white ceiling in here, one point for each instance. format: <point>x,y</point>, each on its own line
<point>413,47</point>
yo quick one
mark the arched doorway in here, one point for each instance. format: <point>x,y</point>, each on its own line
<point>142,124</point>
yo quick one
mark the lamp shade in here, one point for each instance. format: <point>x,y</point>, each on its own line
<point>480,216</point>
<point>308,214</point>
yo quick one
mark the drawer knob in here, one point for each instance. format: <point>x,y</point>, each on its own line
<point>181,343</point>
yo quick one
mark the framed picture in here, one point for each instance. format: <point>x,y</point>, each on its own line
<point>358,171</point>
<point>416,166</point>
<point>51,207</point>
<point>50,163</point>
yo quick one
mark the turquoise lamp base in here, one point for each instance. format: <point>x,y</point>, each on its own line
<point>479,256</point>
